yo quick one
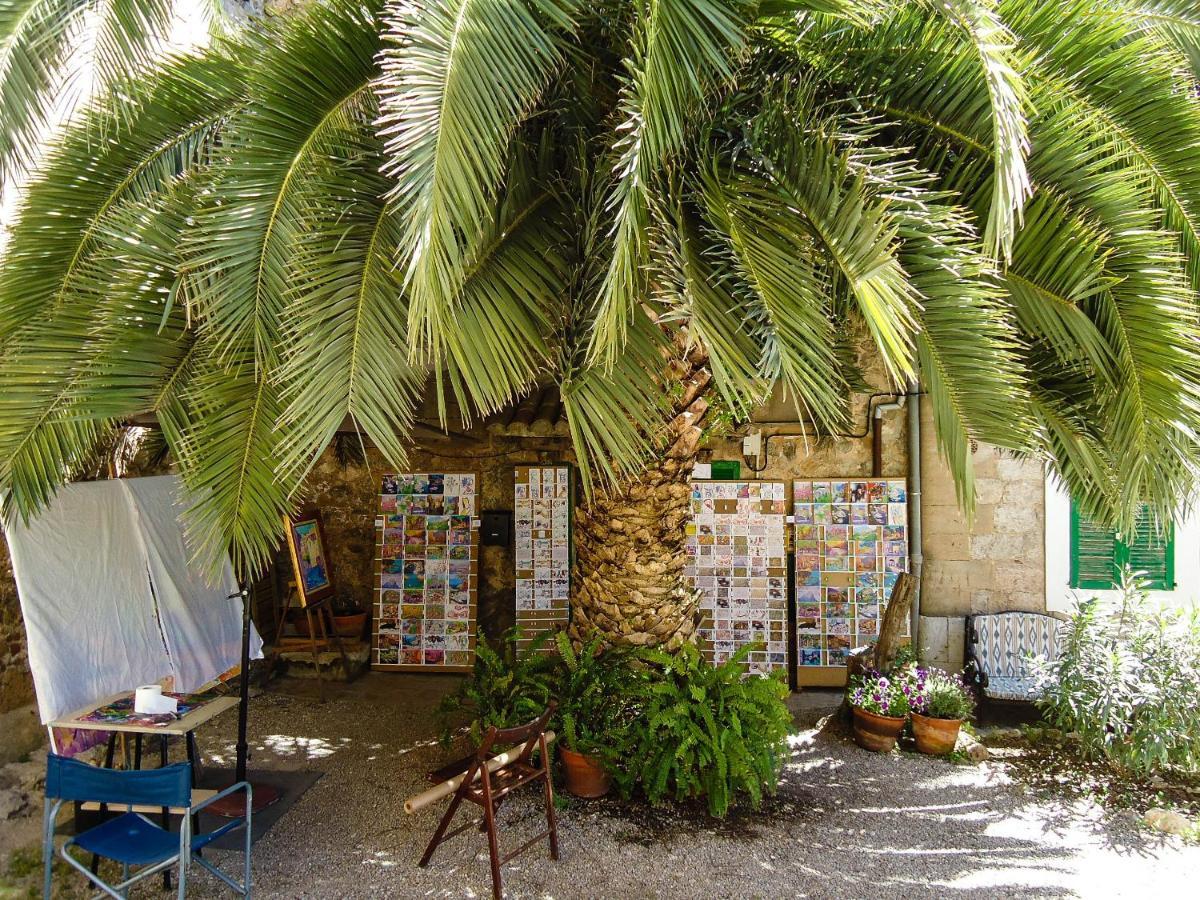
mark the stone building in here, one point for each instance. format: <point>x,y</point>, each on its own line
<point>1016,552</point>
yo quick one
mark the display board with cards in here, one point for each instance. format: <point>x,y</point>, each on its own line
<point>542,502</point>
<point>851,544</point>
<point>427,577</point>
<point>737,560</point>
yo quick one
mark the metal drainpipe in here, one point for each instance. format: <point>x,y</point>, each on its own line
<point>877,434</point>
<point>916,556</point>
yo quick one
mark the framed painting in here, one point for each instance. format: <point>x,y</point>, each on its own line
<point>310,560</point>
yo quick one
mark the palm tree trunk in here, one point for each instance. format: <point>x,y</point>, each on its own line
<point>629,583</point>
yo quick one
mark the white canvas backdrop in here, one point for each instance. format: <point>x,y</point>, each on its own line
<point>109,599</point>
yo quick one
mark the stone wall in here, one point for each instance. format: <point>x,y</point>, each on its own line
<point>997,562</point>
<point>16,685</point>
<point>348,498</point>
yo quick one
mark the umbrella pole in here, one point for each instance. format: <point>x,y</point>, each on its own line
<point>243,748</point>
<point>263,794</point>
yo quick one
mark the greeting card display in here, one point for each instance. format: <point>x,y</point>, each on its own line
<point>737,560</point>
<point>542,500</point>
<point>851,544</point>
<point>427,548</point>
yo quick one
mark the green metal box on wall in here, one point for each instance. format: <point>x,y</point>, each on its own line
<point>726,470</point>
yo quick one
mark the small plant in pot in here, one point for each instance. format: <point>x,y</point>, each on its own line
<point>941,702</point>
<point>880,704</point>
<point>349,620</point>
<point>593,693</point>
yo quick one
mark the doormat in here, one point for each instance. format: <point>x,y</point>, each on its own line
<point>291,785</point>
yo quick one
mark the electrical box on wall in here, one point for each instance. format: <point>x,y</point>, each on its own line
<point>496,530</point>
<point>726,469</point>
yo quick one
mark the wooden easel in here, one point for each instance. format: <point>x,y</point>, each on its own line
<point>315,614</point>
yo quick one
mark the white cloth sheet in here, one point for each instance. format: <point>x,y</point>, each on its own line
<point>109,600</point>
<point>202,627</point>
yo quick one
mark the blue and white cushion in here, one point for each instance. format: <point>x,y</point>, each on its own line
<point>1005,646</point>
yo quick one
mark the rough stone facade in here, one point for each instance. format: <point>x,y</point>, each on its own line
<point>348,498</point>
<point>995,563</point>
<point>16,685</point>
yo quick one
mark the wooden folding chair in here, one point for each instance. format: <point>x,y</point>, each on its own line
<point>489,788</point>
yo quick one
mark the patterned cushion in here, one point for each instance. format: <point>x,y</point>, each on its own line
<point>1019,688</point>
<point>1005,643</point>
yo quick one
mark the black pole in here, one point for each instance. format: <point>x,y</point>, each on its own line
<point>243,749</point>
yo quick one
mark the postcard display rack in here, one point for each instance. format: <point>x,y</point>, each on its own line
<point>427,577</point>
<point>737,559</point>
<point>851,544</point>
<point>542,498</point>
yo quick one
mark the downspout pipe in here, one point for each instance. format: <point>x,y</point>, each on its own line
<point>877,433</point>
<point>916,555</point>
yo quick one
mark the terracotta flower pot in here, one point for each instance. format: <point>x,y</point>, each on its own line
<point>877,733</point>
<point>584,774</point>
<point>350,626</point>
<point>935,736</point>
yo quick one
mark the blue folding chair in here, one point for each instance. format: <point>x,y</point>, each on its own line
<point>131,839</point>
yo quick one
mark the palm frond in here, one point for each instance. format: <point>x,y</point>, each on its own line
<point>787,291</point>
<point>154,128</point>
<point>808,170</point>
<point>344,332</point>
<point>695,286</point>
<point>458,77</point>
<point>681,49</point>
<point>309,72</point>
<point>996,51</point>
<point>1176,21</point>
<point>1108,97</point>
<point>74,371</point>
<point>36,40</point>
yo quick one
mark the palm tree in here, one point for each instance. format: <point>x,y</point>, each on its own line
<point>647,203</point>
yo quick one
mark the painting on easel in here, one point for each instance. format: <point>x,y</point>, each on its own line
<point>310,563</point>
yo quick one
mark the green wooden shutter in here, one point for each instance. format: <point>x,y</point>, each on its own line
<point>1093,554</point>
<point>1098,555</point>
<point>1152,553</point>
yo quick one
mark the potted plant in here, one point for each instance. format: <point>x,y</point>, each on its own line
<point>349,619</point>
<point>880,704</point>
<point>594,692</point>
<point>940,704</point>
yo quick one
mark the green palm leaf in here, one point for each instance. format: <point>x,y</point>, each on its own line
<point>310,72</point>
<point>458,78</point>
<point>156,127</point>
<point>681,50</point>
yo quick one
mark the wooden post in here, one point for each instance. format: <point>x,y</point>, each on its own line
<point>891,629</point>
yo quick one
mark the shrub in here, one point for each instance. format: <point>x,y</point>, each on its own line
<point>941,695</point>
<point>703,731</point>
<point>884,695</point>
<point>595,689</point>
<point>1127,682</point>
<point>504,689</point>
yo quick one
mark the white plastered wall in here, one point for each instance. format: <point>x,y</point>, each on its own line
<point>1059,595</point>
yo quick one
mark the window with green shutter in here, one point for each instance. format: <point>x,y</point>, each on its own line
<point>1098,555</point>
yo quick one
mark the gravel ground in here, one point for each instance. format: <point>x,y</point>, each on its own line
<point>846,823</point>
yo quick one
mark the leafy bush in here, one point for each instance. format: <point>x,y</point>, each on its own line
<point>941,695</point>
<point>703,731</point>
<point>1127,682</point>
<point>505,689</point>
<point>595,688</point>
<point>884,695</point>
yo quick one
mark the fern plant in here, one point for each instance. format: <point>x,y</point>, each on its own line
<point>596,689</point>
<point>505,688</point>
<point>704,731</point>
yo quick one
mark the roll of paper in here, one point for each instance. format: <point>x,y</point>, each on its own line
<point>149,700</point>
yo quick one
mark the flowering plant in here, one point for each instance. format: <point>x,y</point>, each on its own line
<point>940,695</point>
<point>884,695</point>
